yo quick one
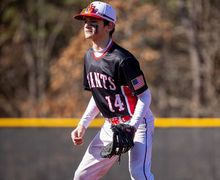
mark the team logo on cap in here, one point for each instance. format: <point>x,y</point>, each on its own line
<point>91,9</point>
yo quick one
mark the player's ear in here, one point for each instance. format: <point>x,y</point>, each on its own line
<point>111,26</point>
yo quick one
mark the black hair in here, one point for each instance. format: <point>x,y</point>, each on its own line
<point>106,22</point>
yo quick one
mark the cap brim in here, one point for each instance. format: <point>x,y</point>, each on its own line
<point>83,16</point>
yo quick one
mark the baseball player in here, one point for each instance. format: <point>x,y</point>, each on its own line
<point>119,92</point>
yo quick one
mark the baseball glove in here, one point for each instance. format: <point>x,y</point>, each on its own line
<point>123,135</point>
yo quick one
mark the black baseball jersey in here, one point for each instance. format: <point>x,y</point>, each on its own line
<point>115,79</point>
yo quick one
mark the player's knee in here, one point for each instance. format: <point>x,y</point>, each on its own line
<point>140,174</point>
<point>80,175</point>
<point>135,174</point>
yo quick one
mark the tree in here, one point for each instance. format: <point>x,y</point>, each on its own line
<point>201,26</point>
<point>35,30</point>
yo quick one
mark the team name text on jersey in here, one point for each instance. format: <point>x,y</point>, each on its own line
<point>98,80</point>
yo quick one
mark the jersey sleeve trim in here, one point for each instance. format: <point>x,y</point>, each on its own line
<point>133,75</point>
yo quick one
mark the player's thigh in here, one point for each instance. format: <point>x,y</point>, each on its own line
<point>92,164</point>
<point>140,154</point>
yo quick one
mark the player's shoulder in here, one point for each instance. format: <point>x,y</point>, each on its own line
<point>89,52</point>
<point>88,55</point>
<point>121,52</point>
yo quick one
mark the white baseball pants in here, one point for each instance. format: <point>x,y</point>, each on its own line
<point>93,167</point>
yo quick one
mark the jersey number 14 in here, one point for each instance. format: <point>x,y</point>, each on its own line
<point>115,103</point>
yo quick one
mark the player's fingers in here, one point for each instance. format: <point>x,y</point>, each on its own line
<point>77,141</point>
<point>77,135</point>
<point>81,131</point>
<point>74,134</point>
<point>80,134</point>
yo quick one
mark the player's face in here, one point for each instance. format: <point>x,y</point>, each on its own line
<point>94,29</point>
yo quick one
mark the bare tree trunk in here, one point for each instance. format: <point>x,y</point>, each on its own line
<point>211,45</point>
<point>194,57</point>
<point>195,69</point>
<point>37,53</point>
<point>32,84</point>
<point>40,51</point>
<point>203,35</point>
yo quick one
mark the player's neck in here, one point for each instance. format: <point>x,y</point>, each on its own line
<point>100,45</point>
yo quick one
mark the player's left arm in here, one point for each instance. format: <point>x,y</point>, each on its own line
<point>134,76</point>
<point>142,106</point>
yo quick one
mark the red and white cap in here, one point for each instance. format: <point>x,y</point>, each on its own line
<point>99,10</point>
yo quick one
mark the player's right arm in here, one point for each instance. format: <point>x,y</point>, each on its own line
<point>77,135</point>
<point>90,113</point>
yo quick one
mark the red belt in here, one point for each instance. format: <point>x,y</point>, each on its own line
<point>118,120</point>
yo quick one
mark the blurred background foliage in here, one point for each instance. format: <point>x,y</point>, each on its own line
<point>177,43</point>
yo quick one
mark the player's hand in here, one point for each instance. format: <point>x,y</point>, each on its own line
<point>77,135</point>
